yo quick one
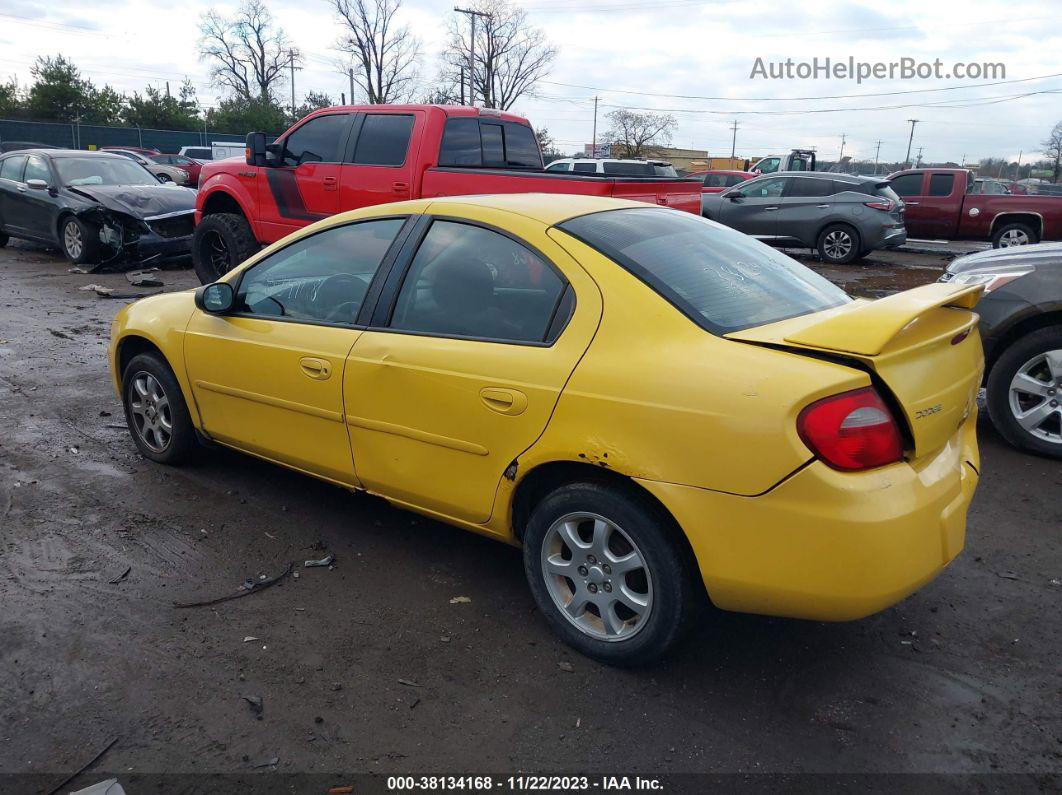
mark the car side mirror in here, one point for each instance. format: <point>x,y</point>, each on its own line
<point>36,184</point>
<point>734,195</point>
<point>215,298</point>
<point>256,149</point>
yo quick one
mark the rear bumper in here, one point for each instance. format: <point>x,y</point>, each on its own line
<point>886,237</point>
<point>829,545</point>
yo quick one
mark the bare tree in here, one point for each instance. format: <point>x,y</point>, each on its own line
<point>510,55</point>
<point>248,52</point>
<point>1053,149</point>
<point>635,134</point>
<point>384,56</point>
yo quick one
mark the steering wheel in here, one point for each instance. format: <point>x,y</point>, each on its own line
<point>339,297</point>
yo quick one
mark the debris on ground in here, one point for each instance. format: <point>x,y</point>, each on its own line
<point>346,790</point>
<point>83,768</point>
<point>61,335</point>
<point>408,683</point>
<point>121,576</point>
<point>268,762</point>
<point>250,638</point>
<point>246,589</point>
<point>108,787</point>
<point>144,278</point>
<point>444,639</point>
<point>564,665</point>
<point>109,292</point>
<point>256,705</point>
<point>460,600</point>
<point>327,560</point>
<point>76,269</point>
<point>1009,575</point>
<point>414,704</point>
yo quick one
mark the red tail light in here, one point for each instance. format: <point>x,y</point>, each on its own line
<point>881,204</point>
<point>851,431</point>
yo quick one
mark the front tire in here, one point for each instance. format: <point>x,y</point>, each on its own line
<point>79,241</point>
<point>838,244</point>
<point>220,243</point>
<point>156,412</point>
<point>610,573</point>
<point>1014,235</point>
<point>1024,392</point>
<point>164,178</point>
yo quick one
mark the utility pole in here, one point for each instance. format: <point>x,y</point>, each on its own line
<point>1017,170</point>
<point>907,158</point>
<point>342,98</point>
<point>462,85</point>
<point>918,161</point>
<point>167,89</point>
<point>593,140</point>
<point>840,157</point>
<point>291,63</point>
<point>472,50</point>
<point>350,74</point>
<point>877,151</point>
<point>733,140</point>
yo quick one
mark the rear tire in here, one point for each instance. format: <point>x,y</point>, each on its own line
<point>662,583</point>
<point>839,244</point>
<point>1010,395</point>
<point>79,241</point>
<point>3,239</point>
<point>1014,234</point>
<point>156,412</point>
<point>220,243</point>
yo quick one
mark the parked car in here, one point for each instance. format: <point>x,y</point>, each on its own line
<point>16,146</point>
<point>95,206</point>
<point>843,217</point>
<point>1021,327</point>
<point>942,204</point>
<point>191,167</point>
<point>991,187</point>
<point>614,166</point>
<point>201,153</point>
<point>716,181</point>
<point>489,361</point>
<point>797,160</point>
<point>163,173</point>
<point>140,150</point>
<point>347,157</point>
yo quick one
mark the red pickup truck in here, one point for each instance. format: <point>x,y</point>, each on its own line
<point>948,204</point>
<point>342,158</point>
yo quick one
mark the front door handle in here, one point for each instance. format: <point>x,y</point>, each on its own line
<point>509,402</point>
<point>822,206</point>
<point>768,209</point>
<point>318,369</point>
<point>910,204</point>
<point>329,183</point>
<point>400,187</point>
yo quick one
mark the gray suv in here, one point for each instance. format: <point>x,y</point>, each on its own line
<point>844,217</point>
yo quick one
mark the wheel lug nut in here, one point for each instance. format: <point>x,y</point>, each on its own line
<point>607,569</point>
<point>608,587</point>
<point>583,571</point>
<point>591,559</point>
<point>592,588</point>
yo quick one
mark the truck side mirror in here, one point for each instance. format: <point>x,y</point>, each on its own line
<point>256,149</point>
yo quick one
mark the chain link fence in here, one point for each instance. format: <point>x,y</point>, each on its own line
<point>91,136</point>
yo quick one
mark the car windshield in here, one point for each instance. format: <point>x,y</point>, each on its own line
<point>721,279</point>
<point>75,171</point>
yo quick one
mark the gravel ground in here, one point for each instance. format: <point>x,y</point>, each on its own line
<point>371,666</point>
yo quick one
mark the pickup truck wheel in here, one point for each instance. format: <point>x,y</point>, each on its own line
<point>1014,235</point>
<point>220,243</point>
<point>839,244</point>
<point>1025,392</point>
<point>609,572</point>
<point>3,239</point>
<point>79,241</point>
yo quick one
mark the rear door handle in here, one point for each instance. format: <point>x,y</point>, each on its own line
<point>21,188</point>
<point>911,204</point>
<point>329,183</point>
<point>661,199</point>
<point>822,206</point>
<point>399,187</point>
<point>509,402</point>
<point>317,369</point>
<point>768,209</point>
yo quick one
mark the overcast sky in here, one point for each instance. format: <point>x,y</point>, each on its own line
<point>699,49</point>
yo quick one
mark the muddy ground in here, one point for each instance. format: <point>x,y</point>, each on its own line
<point>370,666</point>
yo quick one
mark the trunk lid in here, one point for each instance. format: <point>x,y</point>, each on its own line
<point>922,344</point>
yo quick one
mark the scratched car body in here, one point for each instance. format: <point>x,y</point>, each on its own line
<point>655,406</point>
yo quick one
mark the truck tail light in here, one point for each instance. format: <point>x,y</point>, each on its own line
<point>881,204</point>
<point>851,431</point>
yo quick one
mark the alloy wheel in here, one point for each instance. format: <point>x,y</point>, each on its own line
<point>149,409</point>
<point>597,576</point>
<point>1036,396</point>
<point>216,251</point>
<point>837,244</point>
<point>72,242</point>
<point>1014,237</point>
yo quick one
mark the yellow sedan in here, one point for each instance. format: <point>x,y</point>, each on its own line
<point>654,406</point>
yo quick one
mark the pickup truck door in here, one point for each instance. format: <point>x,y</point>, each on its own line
<point>757,211</point>
<point>378,165</point>
<point>911,188</point>
<point>940,205</point>
<point>305,186</point>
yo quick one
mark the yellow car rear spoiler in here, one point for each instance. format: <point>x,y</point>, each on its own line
<point>866,328</point>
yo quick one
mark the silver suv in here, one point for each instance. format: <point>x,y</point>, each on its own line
<point>844,217</point>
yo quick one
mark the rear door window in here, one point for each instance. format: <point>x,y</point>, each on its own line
<point>721,279</point>
<point>199,154</point>
<point>586,168</point>
<point>383,139</point>
<point>558,167</point>
<point>941,184</point>
<point>808,187</point>
<point>908,185</point>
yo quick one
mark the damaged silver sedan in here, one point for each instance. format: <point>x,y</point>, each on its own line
<point>98,208</point>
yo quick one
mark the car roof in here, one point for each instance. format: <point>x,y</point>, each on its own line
<point>854,179</point>
<point>56,153</point>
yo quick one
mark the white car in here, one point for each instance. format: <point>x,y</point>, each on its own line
<point>218,150</point>
<point>613,167</point>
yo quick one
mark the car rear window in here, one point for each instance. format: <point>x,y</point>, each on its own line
<point>629,169</point>
<point>721,279</point>
<point>502,145</point>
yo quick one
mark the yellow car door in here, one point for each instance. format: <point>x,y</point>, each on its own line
<point>466,360</point>
<point>267,375</point>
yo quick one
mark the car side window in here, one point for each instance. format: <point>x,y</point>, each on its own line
<point>11,168</point>
<point>715,181</point>
<point>766,188</point>
<point>586,168</point>
<point>383,140</point>
<point>907,185</point>
<point>733,180</point>
<point>769,165</point>
<point>807,187</point>
<point>467,281</point>
<point>941,184</point>
<point>320,278</point>
<point>319,140</point>
<point>557,167</point>
<point>36,168</point>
